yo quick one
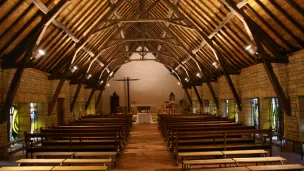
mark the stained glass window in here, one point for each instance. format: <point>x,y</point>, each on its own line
<point>14,123</point>
<point>33,113</point>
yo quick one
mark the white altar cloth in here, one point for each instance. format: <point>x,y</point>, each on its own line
<point>144,118</point>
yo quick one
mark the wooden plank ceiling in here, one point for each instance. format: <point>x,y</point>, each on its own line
<point>90,39</point>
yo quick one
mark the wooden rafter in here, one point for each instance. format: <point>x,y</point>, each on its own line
<point>30,45</point>
<point>198,96</point>
<point>255,35</point>
<point>55,96</point>
<point>188,95</point>
<point>98,99</point>
<point>75,96</point>
<point>89,100</point>
<point>214,50</point>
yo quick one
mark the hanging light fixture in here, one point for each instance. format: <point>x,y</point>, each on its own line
<point>89,76</point>
<point>74,69</point>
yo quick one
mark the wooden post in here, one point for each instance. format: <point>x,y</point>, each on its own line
<point>217,54</point>
<point>30,46</point>
<point>89,100</point>
<point>198,96</point>
<point>213,94</point>
<point>75,97</point>
<point>55,96</point>
<point>98,99</point>
<point>188,95</point>
<point>128,89</point>
<point>255,33</point>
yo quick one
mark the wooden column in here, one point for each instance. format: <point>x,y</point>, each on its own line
<point>128,89</point>
<point>89,100</point>
<point>30,46</point>
<point>213,94</point>
<point>188,95</point>
<point>98,99</point>
<point>198,96</point>
<point>55,96</point>
<point>75,97</point>
<point>255,34</point>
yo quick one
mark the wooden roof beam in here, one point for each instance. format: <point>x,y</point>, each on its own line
<point>220,26</point>
<point>255,35</point>
<point>217,54</point>
<point>58,24</point>
<point>188,95</point>
<point>30,46</point>
<point>198,95</point>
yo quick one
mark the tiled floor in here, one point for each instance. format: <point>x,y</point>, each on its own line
<point>147,151</point>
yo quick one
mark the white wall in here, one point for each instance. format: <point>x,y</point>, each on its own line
<point>153,88</point>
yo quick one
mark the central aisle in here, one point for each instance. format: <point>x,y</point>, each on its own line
<point>145,151</point>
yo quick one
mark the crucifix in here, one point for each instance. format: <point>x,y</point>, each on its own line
<point>128,89</point>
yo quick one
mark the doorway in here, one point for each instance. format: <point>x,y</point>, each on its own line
<point>60,111</point>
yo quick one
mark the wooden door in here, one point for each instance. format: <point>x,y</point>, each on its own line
<point>60,111</point>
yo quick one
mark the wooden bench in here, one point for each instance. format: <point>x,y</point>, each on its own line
<point>224,146</point>
<point>53,154</point>
<point>245,152</point>
<point>223,154</point>
<point>259,160</point>
<point>69,147</point>
<point>107,162</point>
<point>27,168</point>
<point>225,169</point>
<point>49,162</point>
<point>258,168</point>
<point>79,168</point>
<point>293,145</point>
<point>277,167</point>
<point>188,163</point>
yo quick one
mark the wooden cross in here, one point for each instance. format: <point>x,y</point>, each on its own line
<point>128,89</point>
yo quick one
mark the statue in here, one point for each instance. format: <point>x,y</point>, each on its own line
<point>114,103</point>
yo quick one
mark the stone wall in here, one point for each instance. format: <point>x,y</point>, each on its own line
<point>253,82</point>
<point>36,88</point>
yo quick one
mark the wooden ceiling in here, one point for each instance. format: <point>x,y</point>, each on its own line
<point>99,36</point>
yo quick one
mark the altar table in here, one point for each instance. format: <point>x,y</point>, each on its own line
<point>144,118</point>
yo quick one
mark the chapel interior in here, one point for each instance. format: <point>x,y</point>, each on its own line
<point>154,85</point>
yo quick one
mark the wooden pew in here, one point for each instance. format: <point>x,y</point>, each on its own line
<point>31,147</point>
<point>172,134</point>
<point>259,160</point>
<point>188,163</point>
<point>48,162</point>
<point>277,167</point>
<point>79,168</point>
<point>220,154</point>
<point>224,145</point>
<point>27,168</point>
<point>53,154</point>
<point>106,162</point>
<point>111,155</point>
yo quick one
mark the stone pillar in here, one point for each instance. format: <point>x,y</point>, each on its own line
<point>212,108</point>
<point>301,119</point>
<point>265,106</point>
<point>205,106</point>
<point>222,108</point>
<point>247,113</point>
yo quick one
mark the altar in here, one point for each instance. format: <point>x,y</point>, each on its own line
<point>144,118</point>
